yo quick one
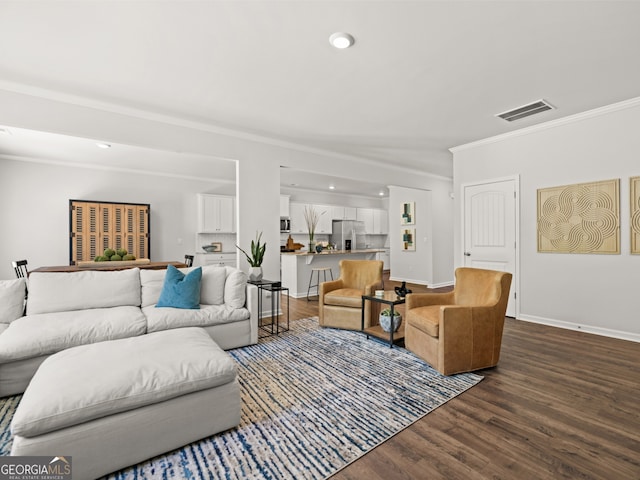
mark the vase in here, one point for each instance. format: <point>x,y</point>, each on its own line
<point>255,274</point>
<point>312,246</point>
<point>385,322</point>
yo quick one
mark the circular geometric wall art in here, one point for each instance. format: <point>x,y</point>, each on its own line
<point>581,218</point>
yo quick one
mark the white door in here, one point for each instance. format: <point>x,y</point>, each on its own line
<point>490,230</point>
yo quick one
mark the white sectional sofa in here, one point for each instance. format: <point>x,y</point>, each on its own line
<point>65,310</point>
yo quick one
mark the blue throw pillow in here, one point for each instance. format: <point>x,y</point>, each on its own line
<point>180,290</point>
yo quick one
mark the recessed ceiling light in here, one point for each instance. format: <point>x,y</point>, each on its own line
<point>341,40</point>
<point>332,187</point>
<point>381,193</point>
<point>103,145</point>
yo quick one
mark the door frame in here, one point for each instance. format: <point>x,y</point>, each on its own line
<point>515,284</point>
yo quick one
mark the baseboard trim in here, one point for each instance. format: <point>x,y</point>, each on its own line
<point>409,280</point>
<point>605,332</point>
<point>442,284</point>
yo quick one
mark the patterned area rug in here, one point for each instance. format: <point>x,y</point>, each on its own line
<point>314,400</point>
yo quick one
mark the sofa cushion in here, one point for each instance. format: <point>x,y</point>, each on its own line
<point>213,285</point>
<point>208,315</point>
<point>344,297</point>
<point>426,319</point>
<point>12,299</point>
<point>64,291</point>
<point>93,381</point>
<point>48,333</point>
<point>235,288</point>
<point>3,327</point>
<point>180,290</point>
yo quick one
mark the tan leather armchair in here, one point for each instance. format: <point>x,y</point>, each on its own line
<point>461,330</point>
<point>340,301</point>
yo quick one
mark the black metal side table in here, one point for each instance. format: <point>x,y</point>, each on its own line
<point>388,298</point>
<point>276,289</point>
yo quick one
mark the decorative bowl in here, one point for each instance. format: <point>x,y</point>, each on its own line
<point>209,248</point>
<point>385,322</point>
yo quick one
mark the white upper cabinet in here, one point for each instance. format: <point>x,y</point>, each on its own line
<point>365,215</point>
<point>324,219</point>
<point>284,206</point>
<point>216,214</point>
<point>296,214</point>
<point>299,224</point>
<point>380,221</point>
<point>343,213</point>
<point>376,221</point>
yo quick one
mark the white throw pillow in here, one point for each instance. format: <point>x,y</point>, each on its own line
<point>235,288</point>
<point>11,299</point>
<point>212,287</point>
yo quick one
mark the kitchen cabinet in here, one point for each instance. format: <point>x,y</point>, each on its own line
<point>376,221</point>
<point>216,214</point>
<point>96,226</point>
<point>380,221</point>
<point>217,259</point>
<point>365,215</point>
<point>343,213</point>
<point>299,223</point>
<point>385,256</point>
<point>296,214</point>
<point>284,206</point>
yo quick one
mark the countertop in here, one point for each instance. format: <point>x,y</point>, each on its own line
<point>334,252</point>
<point>215,253</point>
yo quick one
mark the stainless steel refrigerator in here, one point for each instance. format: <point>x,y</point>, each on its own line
<point>352,230</point>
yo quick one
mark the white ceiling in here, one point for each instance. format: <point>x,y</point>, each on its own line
<point>423,76</point>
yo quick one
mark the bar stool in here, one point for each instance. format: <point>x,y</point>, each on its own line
<point>317,271</point>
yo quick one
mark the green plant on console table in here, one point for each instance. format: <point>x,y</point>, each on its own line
<point>387,313</point>
<point>257,251</point>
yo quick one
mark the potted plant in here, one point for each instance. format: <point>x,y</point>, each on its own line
<point>385,320</point>
<point>255,259</point>
<point>312,217</point>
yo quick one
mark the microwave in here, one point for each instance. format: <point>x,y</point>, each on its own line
<point>285,225</point>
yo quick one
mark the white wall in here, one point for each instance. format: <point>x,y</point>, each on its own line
<point>35,210</point>
<point>595,293</point>
<point>411,266</point>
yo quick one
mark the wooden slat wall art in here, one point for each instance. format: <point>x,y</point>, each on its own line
<point>580,218</point>
<point>634,194</point>
<point>96,226</point>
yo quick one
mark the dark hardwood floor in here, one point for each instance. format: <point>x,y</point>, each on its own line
<point>561,404</point>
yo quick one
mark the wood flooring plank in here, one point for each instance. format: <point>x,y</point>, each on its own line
<point>561,404</point>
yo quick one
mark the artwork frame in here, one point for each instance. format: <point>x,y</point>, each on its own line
<point>408,239</point>
<point>217,246</point>
<point>579,218</point>
<point>408,213</point>
<point>634,214</point>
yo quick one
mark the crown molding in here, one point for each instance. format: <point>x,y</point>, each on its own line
<point>578,117</point>
<point>57,163</point>
<point>119,109</point>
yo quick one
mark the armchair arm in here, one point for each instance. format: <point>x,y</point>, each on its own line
<point>372,287</point>
<point>468,338</point>
<point>326,287</point>
<point>415,300</point>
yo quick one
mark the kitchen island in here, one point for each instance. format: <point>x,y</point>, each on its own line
<point>296,266</point>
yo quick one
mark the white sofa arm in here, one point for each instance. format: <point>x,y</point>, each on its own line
<point>252,306</point>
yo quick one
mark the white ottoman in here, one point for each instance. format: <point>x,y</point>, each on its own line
<point>113,404</point>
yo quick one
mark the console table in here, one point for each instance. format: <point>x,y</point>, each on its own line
<point>276,289</point>
<point>106,267</point>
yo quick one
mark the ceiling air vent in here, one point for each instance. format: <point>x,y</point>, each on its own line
<point>525,111</point>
